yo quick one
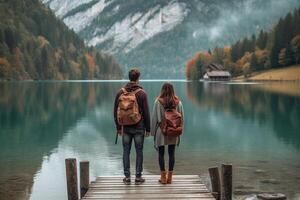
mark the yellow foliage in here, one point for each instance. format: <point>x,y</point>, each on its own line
<point>42,41</point>
<point>245,59</point>
<point>261,55</point>
<point>227,51</point>
<point>75,69</point>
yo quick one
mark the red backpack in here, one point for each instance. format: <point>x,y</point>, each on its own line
<point>172,123</point>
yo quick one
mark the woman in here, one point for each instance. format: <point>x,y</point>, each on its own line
<point>166,100</point>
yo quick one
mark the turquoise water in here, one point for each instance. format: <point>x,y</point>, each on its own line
<point>256,127</point>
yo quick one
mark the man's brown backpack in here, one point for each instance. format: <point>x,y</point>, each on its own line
<point>171,124</point>
<point>128,108</point>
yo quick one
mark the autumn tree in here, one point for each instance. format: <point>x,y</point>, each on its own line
<point>295,43</point>
<point>285,57</point>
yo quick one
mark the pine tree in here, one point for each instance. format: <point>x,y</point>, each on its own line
<point>235,51</point>
<point>262,39</point>
<point>277,44</point>
<point>10,38</point>
<point>209,51</point>
<point>1,36</point>
<point>253,62</point>
<point>252,43</point>
<point>85,70</point>
<point>63,67</point>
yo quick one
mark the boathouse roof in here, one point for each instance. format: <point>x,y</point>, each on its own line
<point>218,74</point>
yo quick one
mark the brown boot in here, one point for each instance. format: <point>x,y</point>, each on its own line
<point>169,177</point>
<point>163,177</point>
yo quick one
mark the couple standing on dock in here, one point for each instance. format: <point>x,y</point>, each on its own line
<point>132,118</point>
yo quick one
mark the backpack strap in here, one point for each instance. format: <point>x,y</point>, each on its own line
<point>136,91</point>
<point>124,90</point>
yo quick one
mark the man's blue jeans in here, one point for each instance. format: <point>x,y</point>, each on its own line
<point>138,137</point>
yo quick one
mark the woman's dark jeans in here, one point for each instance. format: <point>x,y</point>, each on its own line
<point>138,137</point>
<point>161,159</point>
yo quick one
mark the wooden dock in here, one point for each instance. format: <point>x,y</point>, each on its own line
<point>112,187</point>
<point>183,187</point>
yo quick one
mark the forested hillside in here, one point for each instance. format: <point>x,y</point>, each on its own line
<point>159,36</point>
<point>277,48</point>
<point>34,44</point>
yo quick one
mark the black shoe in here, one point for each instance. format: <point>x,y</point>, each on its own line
<point>126,180</point>
<point>139,180</point>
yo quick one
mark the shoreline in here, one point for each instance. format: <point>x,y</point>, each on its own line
<point>290,74</point>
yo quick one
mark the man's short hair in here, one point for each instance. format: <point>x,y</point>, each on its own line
<point>134,74</point>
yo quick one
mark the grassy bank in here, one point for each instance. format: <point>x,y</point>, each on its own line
<point>283,74</point>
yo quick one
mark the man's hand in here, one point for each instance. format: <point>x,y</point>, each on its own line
<point>120,132</point>
<point>147,134</point>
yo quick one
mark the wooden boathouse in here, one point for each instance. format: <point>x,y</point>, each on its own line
<point>182,187</point>
<point>216,72</point>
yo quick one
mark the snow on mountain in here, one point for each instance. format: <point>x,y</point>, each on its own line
<point>82,19</point>
<point>63,7</point>
<point>138,27</point>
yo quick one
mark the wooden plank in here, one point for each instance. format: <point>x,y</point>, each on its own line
<point>153,175</point>
<point>148,184</point>
<point>147,196</point>
<point>147,179</point>
<point>180,198</point>
<point>149,191</point>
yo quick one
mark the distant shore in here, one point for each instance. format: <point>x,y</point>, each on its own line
<point>282,74</point>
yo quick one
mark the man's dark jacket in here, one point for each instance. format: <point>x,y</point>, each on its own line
<point>142,101</point>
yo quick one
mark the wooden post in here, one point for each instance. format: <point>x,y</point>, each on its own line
<point>84,177</point>
<point>71,173</point>
<point>226,182</point>
<point>215,182</point>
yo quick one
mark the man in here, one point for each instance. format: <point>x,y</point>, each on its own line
<point>135,131</point>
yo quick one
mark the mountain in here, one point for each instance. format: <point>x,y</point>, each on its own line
<point>160,35</point>
<point>36,45</point>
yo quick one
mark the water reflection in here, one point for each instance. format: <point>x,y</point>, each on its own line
<point>260,103</point>
<point>34,117</point>
<point>255,127</point>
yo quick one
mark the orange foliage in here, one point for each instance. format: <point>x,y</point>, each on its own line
<point>4,67</point>
<point>191,70</point>
<point>189,67</point>
<point>91,62</point>
<point>4,62</point>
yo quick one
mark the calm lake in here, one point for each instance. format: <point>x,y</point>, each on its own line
<point>256,127</point>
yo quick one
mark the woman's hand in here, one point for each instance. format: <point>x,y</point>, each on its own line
<point>147,134</point>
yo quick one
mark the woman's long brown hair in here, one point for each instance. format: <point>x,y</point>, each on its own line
<point>167,96</point>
